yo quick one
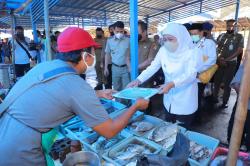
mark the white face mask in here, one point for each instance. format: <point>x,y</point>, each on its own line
<point>89,66</point>
<point>118,35</point>
<point>171,46</point>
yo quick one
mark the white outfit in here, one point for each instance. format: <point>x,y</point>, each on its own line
<point>208,49</point>
<point>179,67</point>
<point>21,56</point>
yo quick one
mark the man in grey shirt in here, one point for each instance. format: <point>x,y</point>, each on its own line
<point>116,49</point>
<point>46,105</point>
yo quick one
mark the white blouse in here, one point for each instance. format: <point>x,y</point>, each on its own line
<point>182,70</point>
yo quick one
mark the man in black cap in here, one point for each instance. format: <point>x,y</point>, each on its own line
<point>207,30</point>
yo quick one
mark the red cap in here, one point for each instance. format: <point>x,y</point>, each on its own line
<point>74,38</point>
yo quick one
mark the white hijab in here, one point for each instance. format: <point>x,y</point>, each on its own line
<point>183,37</point>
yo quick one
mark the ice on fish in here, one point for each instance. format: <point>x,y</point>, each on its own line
<point>103,144</point>
<point>129,154</point>
<point>163,132</point>
<point>167,143</point>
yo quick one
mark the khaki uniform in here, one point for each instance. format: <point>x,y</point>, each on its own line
<point>228,44</point>
<point>99,52</point>
<point>147,51</point>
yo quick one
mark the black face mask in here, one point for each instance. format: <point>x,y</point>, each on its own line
<point>230,31</point>
<point>139,37</point>
<point>205,34</point>
<point>98,36</point>
<point>20,36</point>
<point>112,33</point>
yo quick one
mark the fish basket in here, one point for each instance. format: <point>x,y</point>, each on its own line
<point>223,151</point>
<point>147,118</point>
<point>88,141</point>
<point>109,155</point>
<point>204,140</point>
<point>78,131</point>
<point>138,115</point>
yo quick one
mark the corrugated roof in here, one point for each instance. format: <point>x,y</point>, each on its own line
<point>105,12</point>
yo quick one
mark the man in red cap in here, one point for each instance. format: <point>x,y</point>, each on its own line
<point>49,95</point>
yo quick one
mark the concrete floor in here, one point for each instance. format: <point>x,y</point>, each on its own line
<point>214,122</point>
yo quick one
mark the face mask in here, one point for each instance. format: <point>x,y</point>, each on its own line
<point>118,35</point>
<point>111,33</point>
<point>139,37</point>
<point>171,46</point>
<point>20,35</point>
<point>195,38</point>
<point>99,36</point>
<point>89,66</point>
<point>230,31</point>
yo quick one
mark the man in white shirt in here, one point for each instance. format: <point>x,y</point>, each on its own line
<point>208,50</point>
<point>22,54</point>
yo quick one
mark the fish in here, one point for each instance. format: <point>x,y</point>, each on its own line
<point>132,151</point>
<point>103,144</point>
<point>162,132</point>
<point>169,142</point>
<point>199,152</point>
<point>142,126</point>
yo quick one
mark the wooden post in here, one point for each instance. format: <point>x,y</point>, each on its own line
<point>241,111</point>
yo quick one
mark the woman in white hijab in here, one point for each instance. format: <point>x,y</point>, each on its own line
<point>179,61</point>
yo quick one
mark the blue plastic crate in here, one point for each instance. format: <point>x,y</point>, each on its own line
<point>204,140</point>
<point>155,148</point>
<point>76,131</point>
<point>88,144</point>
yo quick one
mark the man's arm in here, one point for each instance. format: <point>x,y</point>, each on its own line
<point>238,52</point>
<point>111,127</point>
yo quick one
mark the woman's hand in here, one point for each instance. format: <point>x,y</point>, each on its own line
<point>134,83</point>
<point>107,94</point>
<point>166,87</point>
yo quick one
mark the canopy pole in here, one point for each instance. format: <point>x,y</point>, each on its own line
<point>237,14</point>
<point>35,36</point>
<point>241,111</point>
<point>13,25</point>
<point>134,38</point>
<point>46,22</point>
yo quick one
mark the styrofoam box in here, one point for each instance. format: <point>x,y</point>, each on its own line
<point>131,140</point>
<point>204,140</point>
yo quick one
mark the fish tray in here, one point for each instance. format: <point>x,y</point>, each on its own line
<point>204,140</point>
<point>153,147</point>
<point>138,115</point>
<point>147,118</point>
<point>112,106</point>
<point>73,131</point>
<point>135,93</point>
<point>87,141</point>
